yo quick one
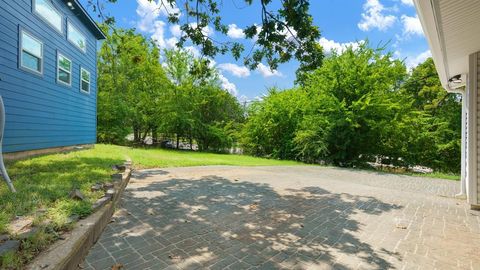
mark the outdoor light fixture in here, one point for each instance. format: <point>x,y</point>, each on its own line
<point>457,81</point>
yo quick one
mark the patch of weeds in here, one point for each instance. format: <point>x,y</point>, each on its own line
<point>29,248</point>
<point>4,219</point>
<point>10,260</point>
<point>35,243</point>
<point>63,210</point>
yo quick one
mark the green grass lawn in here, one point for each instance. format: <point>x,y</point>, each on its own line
<point>155,158</point>
<point>45,182</point>
<point>448,176</point>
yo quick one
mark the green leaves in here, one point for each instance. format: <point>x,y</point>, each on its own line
<point>178,99</point>
<point>197,109</point>
<point>131,85</point>
<point>359,106</point>
<point>283,34</point>
<point>439,134</point>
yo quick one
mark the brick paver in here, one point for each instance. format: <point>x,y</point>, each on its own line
<point>288,218</point>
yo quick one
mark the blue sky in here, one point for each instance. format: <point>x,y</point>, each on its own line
<point>342,22</point>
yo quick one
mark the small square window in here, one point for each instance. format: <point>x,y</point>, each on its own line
<point>84,80</point>
<point>64,70</point>
<point>31,53</point>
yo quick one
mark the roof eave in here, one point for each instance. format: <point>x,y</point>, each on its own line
<point>87,19</point>
<point>433,33</point>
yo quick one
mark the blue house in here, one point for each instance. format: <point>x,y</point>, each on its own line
<point>48,74</point>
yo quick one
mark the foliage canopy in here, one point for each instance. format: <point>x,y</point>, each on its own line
<point>286,30</point>
<point>180,98</point>
<point>360,106</point>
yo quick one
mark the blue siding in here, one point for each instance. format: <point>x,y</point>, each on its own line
<point>40,113</point>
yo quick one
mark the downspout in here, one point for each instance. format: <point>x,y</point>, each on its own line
<point>3,170</point>
<point>463,159</point>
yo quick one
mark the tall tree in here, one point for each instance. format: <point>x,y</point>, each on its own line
<point>339,115</point>
<point>131,86</point>
<point>197,108</point>
<point>439,138</point>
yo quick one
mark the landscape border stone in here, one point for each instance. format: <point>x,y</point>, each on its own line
<point>69,253</point>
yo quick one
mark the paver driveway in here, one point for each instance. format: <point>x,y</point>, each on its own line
<point>288,218</point>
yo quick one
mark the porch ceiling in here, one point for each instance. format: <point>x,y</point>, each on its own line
<point>452,29</point>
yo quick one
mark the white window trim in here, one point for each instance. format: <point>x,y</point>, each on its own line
<point>89,80</point>
<point>59,67</point>
<point>22,31</point>
<point>45,20</point>
<point>70,24</point>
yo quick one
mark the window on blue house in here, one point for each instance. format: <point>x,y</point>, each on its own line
<point>31,53</point>
<point>64,70</point>
<point>76,37</point>
<point>46,10</point>
<point>84,80</point>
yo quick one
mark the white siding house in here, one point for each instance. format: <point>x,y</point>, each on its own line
<point>452,29</point>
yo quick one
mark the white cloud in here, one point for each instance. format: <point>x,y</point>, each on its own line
<point>235,70</point>
<point>411,26</point>
<point>266,72</point>
<point>149,11</point>
<point>175,30</point>
<point>331,45</point>
<point>171,43</point>
<point>407,2</point>
<point>227,85</point>
<point>373,17</point>
<point>158,34</point>
<point>235,32</point>
<point>413,61</point>
<point>290,34</point>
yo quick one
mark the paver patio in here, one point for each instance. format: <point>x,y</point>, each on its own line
<point>288,218</point>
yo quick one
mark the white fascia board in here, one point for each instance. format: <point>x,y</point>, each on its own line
<point>432,28</point>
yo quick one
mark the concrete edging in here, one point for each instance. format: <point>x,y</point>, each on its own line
<point>44,151</point>
<point>69,253</point>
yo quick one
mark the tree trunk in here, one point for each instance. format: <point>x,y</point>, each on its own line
<point>145,134</point>
<point>136,135</point>
<point>154,135</point>
<point>178,141</point>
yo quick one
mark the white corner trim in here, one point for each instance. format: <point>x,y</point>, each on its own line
<point>472,158</point>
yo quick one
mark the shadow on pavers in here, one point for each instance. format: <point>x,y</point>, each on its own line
<point>216,222</point>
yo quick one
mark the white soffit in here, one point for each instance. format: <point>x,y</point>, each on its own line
<point>452,28</point>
